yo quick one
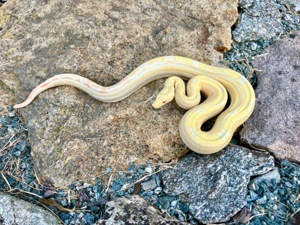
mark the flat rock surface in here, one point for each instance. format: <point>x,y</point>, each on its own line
<point>274,124</point>
<point>72,135</point>
<point>134,211</point>
<point>19,212</point>
<point>215,186</point>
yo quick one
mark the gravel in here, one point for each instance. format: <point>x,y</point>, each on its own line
<point>271,199</point>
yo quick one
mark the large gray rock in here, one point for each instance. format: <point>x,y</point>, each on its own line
<point>263,20</point>
<point>134,211</point>
<point>274,124</point>
<point>18,212</point>
<point>215,186</point>
<point>72,135</point>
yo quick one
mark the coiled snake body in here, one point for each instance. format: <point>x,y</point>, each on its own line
<point>212,81</point>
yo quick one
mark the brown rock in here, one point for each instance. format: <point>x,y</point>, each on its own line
<point>72,135</point>
<point>275,123</point>
<point>134,211</point>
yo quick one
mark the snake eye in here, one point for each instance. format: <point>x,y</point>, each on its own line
<point>164,102</point>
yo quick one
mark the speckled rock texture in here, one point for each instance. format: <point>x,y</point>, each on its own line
<point>73,135</point>
<point>274,124</point>
<point>134,211</point>
<point>263,20</point>
<point>19,212</point>
<point>215,186</point>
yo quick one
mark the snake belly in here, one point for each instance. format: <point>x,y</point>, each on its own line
<point>242,97</point>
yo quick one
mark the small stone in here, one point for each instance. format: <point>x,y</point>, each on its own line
<point>157,190</point>
<point>174,203</point>
<point>148,169</point>
<point>164,202</point>
<point>262,200</point>
<point>11,114</point>
<point>288,184</point>
<point>86,185</point>
<point>149,185</point>
<point>1,109</point>
<point>80,215</point>
<point>89,218</point>
<point>183,207</point>
<point>95,209</point>
<point>252,186</point>
<point>181,217</point>
<point>267,177</point>
<point>242,216</point>
<point>150,193</point>
<point>281,192</point>
<point>10,108</point>
<point>71,186</point>
<point>64,216</point>
<point>253,46</point>
<point>108,170</point>
<point>253,195</point>
<point>17,153</point>
<point>95,189</point>
<point>64,202</point>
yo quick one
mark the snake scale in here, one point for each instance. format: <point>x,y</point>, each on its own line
<point>213,82</point>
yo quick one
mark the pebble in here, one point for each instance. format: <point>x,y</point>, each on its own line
<point>253,195</point>
<point>288,184</point>
<point>158,190</point>
<point>108,170</point>
<point>88,218</point>
<point>148,169</point>
<point>86,185</point>
<point>80,215</point>
<point>262,200</point>
<point>10,108</point>
<point>149,185</point>
<point>174,203</point>
<point>11,114</point>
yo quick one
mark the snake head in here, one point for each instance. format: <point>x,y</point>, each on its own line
<point>165,96</point>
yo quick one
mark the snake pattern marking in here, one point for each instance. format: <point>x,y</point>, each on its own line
<point>214,83</point>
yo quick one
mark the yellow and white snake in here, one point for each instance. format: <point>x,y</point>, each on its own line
<point>213,82</point>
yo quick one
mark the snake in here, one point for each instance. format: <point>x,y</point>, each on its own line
<point>215,83</point>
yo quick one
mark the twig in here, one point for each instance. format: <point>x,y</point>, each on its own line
<point>298,210</point>
<point>6,181</point>
<point>26,192</point>
<point>47,208</point>
<point>8,144</point>
<point>260,214</point>
<point>262,55</point>
<point>17,179</point>
<point>37,178</point>
<point>109,181</point>
<point>57,205</point>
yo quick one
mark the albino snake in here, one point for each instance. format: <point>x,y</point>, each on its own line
<point>213,83</point>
